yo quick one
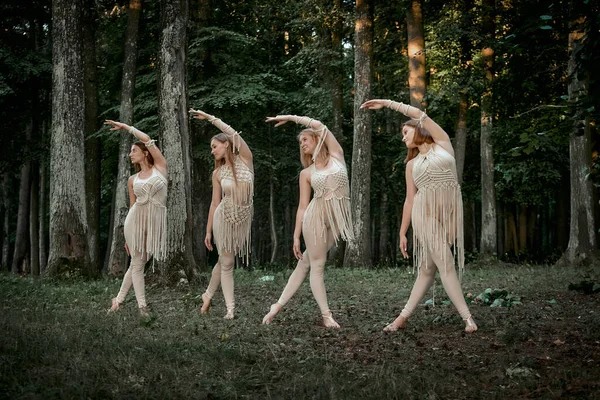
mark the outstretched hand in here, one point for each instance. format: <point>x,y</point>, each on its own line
<point>280,119</point>
<point>375,104</point>
<point>198,114</point>
<point>116,125</point>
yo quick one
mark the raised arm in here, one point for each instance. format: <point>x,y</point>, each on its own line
<point>234,137</point>
<point>333,146</point>
<point>159,160</point>
<point>438,134</point>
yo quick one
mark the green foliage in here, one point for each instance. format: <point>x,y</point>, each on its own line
<point>494,298</point>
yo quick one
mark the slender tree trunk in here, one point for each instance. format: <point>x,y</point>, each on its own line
<point>92,144</point>
<point>43,210</point>
<point>68,218</point>
<point>384,230</point>
<point>358,251</point>
<point>173,121</point>
<point>274,242</point>
<point>582,237</point>
<point>460,138</point>
<point>488,244</point>
<point>34,238</point>
<point>201,170</point>
<point>337,76</point>
<point>22,234</point>
<point>416,53</point>
<point>511,232</point>
<point>522,228</point>
<point>116,260</point>
<point>6,222</point>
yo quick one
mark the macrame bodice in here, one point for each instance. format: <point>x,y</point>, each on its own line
<point>149,215</point>
<point>437,214</point>
<point>330,205</point>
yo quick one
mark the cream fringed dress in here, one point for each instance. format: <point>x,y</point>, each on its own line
<point>330,205</point>
<point>145,226</point>
<point>437,214</point>
<point>232,225</point>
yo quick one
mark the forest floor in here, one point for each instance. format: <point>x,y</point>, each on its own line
<point>57,341</point>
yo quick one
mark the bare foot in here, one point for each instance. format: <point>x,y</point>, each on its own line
<point>329,322</point>
<point>229,314</point>
<point>397,324</point>
<point>144,312</point>
<point>470,325</point>
<point>274,310</point>
<point>205,304</point>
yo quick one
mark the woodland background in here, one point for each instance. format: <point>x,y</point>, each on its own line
<point>514,83</point>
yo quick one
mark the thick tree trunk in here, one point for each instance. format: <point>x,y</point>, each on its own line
<point>173,121</point>
<point>488,242</point>
<point>416,53</point>
<point>522,228</point>
<point>93,146</point>
<point>116,260</point>
<point>336,78</point>
<point>511,243</point>
<point>22,233</point>
<point>68,218</point>
<point>582,237</point>
<point>358,252</point>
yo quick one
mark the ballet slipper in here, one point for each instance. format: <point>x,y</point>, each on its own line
<point>273,311</point>
<point>329,322</point>
<point>229,314</point>
<point>205,304</point>
<point>397,324</point>
<point>470,325</point>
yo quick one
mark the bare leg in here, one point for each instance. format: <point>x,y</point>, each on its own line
<point>422,284</point>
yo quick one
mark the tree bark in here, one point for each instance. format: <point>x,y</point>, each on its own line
<point>34,238</point>
<point>488,242</point>
<point>582,237</point>
<point>93,146</point>
<point>173,121</point>
<point>116,260</point>
<point>460,137</point>
<point>416,53</point>
<point>43,210</point>
<point>522,228</point>
<point>384,230</point>
<point>68,218</point>
<point>358,251</point>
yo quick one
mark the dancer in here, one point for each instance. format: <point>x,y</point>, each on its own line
<point>231,208</point>
<point>434,203</point>
<point>324,219</point>
<point>146,222</point>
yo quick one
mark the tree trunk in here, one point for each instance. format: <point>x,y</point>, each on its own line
<point>173,121</point>
<point>274,243</point>
<point>358,252</point>
<point>384,230</point>
<point>68,218</point>
<point>22,234</point>
<point>460,138</point>
<point>522,228</point>
<point>34,238</point>
<point>201,170</point>
<point>511,232</point>
<point>416,53</point>
<point>337,76</point>
<point>43,207</point>
<point>488,244</point>
<point>116,263</point>
<point>582,237</point>
<point>93,146</point>
<point>6,223</point>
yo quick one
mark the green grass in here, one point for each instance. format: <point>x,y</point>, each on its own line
<point>58,341</point>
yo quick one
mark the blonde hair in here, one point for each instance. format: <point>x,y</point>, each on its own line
<point>229,155</point>
<point>307,159</point>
